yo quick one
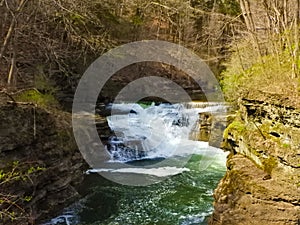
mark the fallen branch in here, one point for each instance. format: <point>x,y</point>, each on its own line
<point>21,103</point>
<point>8,95</point>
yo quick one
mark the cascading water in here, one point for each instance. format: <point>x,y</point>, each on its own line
<point>152,134</point>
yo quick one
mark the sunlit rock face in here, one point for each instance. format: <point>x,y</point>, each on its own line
<point>262,182</point>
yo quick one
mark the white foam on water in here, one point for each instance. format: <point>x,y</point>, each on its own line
<point>158,172</point>
<point>63,219</point>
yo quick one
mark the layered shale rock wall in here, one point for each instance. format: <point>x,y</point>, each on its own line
<point>262,182</point>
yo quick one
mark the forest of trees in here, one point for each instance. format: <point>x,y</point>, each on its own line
<point>60,38</point>
<point>54,40</point>
<point>266,60</point>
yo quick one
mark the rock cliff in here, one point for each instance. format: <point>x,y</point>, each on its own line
<point>262,182</point>
<point>38,146</point>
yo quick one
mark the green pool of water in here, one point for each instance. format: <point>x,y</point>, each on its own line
<point>183,199</point>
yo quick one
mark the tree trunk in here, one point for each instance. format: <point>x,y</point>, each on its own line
<point>11,27</point>
<point>296,38</point>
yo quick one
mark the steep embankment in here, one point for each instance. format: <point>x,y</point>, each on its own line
<point>262,182</point>
<point>39,162</point>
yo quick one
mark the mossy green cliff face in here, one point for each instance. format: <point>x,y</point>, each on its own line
<point>262,182</point>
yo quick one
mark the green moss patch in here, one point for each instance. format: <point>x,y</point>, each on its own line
<point>36,97</point>
<point>235,127</point>
<point>269,164</point>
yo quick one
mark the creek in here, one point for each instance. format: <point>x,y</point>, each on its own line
<point>173,174</point>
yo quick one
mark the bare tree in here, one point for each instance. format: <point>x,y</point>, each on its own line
<point>295,65</point>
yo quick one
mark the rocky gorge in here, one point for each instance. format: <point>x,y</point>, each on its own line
<point>261,185</point>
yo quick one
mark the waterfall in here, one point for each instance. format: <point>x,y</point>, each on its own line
<point>157,131</point>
